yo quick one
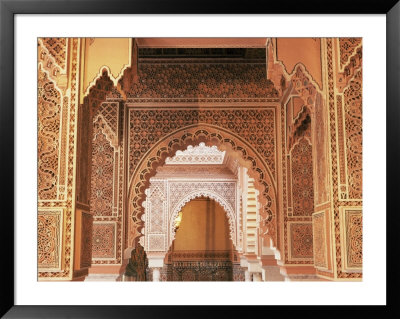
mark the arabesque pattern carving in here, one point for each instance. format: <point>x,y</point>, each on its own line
<point>354,238</point>
<point>179,190</point>
<point>66,271</point>
<point>256,126</point>
<point>101,200</point>
<point>98,92</point>
<point>321,163</point>
<point>86,240</point>
<point>347,47</point>
<point>319,238</point>
<point>161,209</point>
<point>196,134</point>
<point>304,87</point>
<point>302,179</point>
<point>335,173</point>
<point>109,112</point>
<point>301,242</point>
<point>57,48</point>
<point>49,108</point>
<point>201,80</point>
<point>49,239</point>
<point>218,270</point>
<point>103,240</point>
<point>200,154</point>
<point>353,124</point>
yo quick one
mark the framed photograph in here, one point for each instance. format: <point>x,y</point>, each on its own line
<point>166,155</point>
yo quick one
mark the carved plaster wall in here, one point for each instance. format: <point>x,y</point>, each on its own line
<point>165,198</point>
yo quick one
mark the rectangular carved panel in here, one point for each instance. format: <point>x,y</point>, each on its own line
<point>156,242</point>
<point>103,245</point>
<point>86,240</point>
<point>50,239</point>
<point>301,240</point>
<point>352,239</point>
<point>319,240</point>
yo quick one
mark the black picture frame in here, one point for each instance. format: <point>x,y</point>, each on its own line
<point>9,8</point>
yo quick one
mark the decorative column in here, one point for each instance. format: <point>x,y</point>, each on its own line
<point>156,274</point>
<point>257,276</point>
<point>156,261</point>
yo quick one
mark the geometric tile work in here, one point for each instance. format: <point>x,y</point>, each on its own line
<point>353,239</point>
<point>49,239</point>
<point>301,242</point>
<point>319,238</point>
<point>103,240</point>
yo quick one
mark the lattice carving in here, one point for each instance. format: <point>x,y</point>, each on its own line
<point>304,86</point>
<point>301,127</point>
<point>200,154</point>
<point>200,271</point>
<point>100,123</point>
<point>320,162</point>
<point>319,238</point>
<point>49,64</point>
<point>70,155</point>
<point>109,112</point>
<point>103,242</point>
<point>302,179</point>
<point>255,126</point>
<point>49,108</point>
<point>101,200</point>
<point>99,91</point>
<point>354,239</point>
<point>57,48</point>
<point>179,190</point>
<point>157,208</point>
<point>86,240</point>
<point>347,48</point>
<point>301,240</point>
<point>199,171</point>
<point>192,135</point>
<point>335,173</point>
<point>353,125</point>
<point>201,80</point>
<point>157,242</point>
<point>49,239</point>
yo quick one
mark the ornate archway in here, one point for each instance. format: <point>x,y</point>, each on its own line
<point>235,145</point>
<point>212,195</point>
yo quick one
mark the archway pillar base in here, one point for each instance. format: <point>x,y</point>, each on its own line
<point>253,265</point>
<point>156,262</point>
<point>270,269</point>
<point>299,273</point>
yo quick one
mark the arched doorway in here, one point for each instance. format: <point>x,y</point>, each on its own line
<point>202,249</point>
<point>233,144</point>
